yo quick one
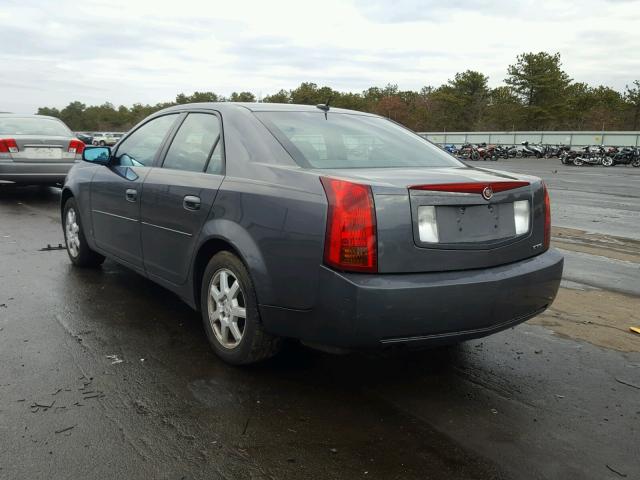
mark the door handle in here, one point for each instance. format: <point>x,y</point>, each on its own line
<point>191,202</point>
<point>131,195</point>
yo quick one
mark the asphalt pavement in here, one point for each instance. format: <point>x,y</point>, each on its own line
<point>104,374</point>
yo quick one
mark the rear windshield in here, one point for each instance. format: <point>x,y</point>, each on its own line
<point>33,126</point>
<point>339,140</point>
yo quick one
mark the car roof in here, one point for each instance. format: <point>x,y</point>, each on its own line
<point>260,107</point>
<point>26,115</point>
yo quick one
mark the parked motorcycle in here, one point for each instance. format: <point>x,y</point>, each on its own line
<point>529,150</point>
<point>465,151</point>
<point>567,157</point>
<point>624,156</point>
<point>483,152</point>
<point>590,156</point>
<point>503,151</point>
<point>451,148</point>
<point>555,150</point>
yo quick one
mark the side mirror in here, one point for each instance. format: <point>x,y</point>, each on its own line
<point>99,155</point>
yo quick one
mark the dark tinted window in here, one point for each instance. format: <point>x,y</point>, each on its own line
<point>140,148</point>
<point>194,143</point>
<point>33,126</point>
<point>340,140</point>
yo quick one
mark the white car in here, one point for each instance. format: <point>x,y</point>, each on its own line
<point>106,138</point>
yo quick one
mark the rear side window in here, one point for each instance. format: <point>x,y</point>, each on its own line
<point>140,148</point>
<point>195,143</point>
<point>340,140</point>
<point>33,126</point>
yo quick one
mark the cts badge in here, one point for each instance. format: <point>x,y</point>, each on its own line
<point>487,193</point>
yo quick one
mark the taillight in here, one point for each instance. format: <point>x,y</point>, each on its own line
<point>547,218</point>
<point>76,146</point>
<point>350,242</point>
<point>8,145</point>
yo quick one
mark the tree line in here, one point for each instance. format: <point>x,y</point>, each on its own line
<point>537,94</point>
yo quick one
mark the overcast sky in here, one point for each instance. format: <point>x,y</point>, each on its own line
<point>56,51</point>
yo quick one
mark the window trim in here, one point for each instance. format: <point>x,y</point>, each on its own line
<point>153,162</point>
<point>220,139</point>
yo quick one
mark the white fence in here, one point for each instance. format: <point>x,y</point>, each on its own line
<point>573,139</point>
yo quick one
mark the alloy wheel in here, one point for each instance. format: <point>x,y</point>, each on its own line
<point>227,308</point>
<point>72,233</point>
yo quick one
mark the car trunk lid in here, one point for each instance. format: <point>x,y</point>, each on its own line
<point>39,149</point>
<point>472,231</point>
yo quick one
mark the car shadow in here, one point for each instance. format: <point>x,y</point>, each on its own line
<point>168,321</point>
<point>41,194</point>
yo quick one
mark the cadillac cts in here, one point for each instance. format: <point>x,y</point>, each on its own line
<point>338,228</point>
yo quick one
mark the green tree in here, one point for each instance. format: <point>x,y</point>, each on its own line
<point>197,97</point>
<point>51,112</point>
<point>73,115</point>
<point>283,96</point>
<point>606,111</point>
<point>632,97</point>
<point>538,95</point>
<point>504,110</point>
<point>472,90</point>
<point>578,101</point>
<point>447,109</point>
<point>242,97</point>
<point>540,83</point>
<point>352,101</point>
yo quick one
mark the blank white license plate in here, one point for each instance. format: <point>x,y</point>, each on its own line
<point>43,152</point>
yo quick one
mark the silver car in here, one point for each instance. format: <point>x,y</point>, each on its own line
<point>35,149</point>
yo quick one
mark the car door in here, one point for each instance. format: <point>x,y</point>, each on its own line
<point>177,196</point>
<point>116,189</point>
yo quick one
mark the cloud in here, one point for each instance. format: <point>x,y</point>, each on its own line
<point>127,51</point>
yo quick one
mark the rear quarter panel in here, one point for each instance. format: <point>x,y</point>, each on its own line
<point>278,229</point>
<point>272,212</point>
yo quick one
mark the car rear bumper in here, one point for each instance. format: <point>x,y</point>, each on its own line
<point>425,309</point>
<point>33,172</point>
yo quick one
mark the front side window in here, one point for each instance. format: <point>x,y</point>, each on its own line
<point>140,148</point>
<point>339,140</point>
<point>195,143</point>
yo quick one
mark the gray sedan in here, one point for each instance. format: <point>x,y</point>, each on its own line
<point>35,149</point>
<point>337,228</point>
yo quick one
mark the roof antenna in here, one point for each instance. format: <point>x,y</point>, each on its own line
<point>324,107</point>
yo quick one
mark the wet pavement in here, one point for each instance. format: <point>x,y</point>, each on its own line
<point>104,374</point>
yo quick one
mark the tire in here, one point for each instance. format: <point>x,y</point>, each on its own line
<point>636,163</point>
<point>608,162</point>
<point>519,154</point>
<point>77,248</point>
<point>220,322</point>
<point>578,162</point>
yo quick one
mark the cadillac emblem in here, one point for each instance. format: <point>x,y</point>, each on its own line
<point>487,193</point>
